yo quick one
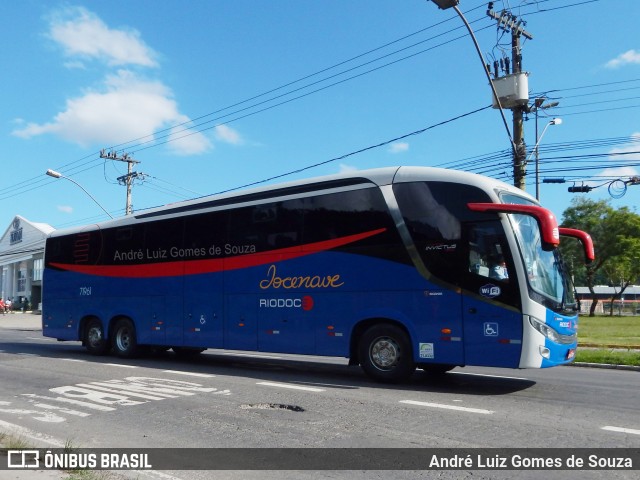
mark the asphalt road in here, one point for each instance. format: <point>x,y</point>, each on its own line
<point>54,394</point>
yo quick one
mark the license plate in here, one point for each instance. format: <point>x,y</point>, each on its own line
<point>571,353</point>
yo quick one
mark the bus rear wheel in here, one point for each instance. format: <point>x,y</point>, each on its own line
<point>385,354</point>
<point>93,338</point>
<point>124,338</point>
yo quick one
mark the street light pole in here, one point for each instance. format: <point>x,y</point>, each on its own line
<point>445,4</point>
<point>54,174</point>
<point>555,121</point>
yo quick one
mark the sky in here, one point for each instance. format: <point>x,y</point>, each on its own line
<point>212,95</point>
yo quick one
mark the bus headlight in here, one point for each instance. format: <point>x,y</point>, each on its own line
<point>545,329</point>
<point>552,334</point>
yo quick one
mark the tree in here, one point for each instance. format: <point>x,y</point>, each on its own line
<point>624,269</point>
<point>616,238</point>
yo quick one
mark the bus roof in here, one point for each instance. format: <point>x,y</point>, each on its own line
<point>341,181</point>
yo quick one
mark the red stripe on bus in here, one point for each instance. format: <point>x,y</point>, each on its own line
<point>194,267</point>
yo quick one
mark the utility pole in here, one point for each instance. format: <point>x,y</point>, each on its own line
<point>538,104</point>
<point>520,155</point>
<point>514,86</point>
<point>126,180</point>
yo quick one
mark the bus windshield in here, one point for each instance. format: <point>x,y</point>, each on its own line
<point>546,274</point>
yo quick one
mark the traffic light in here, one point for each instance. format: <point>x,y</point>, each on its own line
<point>580,189</point>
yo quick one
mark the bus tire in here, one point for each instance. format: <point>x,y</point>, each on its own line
<point>385,353</point>
<point>124,338</point>
<point>93,338</point>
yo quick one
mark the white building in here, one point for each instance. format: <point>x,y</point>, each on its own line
<point>22,261</point>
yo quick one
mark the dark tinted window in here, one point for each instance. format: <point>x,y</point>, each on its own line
<point>206,230</point>
<point>457,245</point>
<point>257,228</point>
<point>362,211</point>
<point>268,226</point>
<point>80,248</point>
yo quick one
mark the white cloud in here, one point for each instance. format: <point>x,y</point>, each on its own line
<point>84,35</point>
<point>65,208</point>
<point>228,135</point>
<point>127,107</point>
<point>626,58</point>
<point>622,154</point>
<point>344,168</point>
<point>398,147</point>
<point>123,105</point>
<point>184,141</point>
<point>619,172</point>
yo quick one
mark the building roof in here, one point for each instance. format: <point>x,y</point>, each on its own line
<point>22,240</point>
<point>606,290</point>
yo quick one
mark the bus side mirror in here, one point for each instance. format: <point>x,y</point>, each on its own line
<point>549,233</point>
<point>585,239</point>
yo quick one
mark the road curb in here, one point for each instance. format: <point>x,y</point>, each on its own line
<point>600,345</point>
<point>609,366</point>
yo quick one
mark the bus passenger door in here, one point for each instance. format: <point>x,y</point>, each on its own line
<point>492,333</point>
<point>491,302</point>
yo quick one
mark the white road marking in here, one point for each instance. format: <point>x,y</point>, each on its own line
<point>74,360</point>
<point>120,365</point>
<point>72,401</point>
<point>156,474</point>
<point>37,436</point>
<point>293,387</point>
<point>191,374</point>
<point>70,411</point>
<point>447,407</point>
<point>622,430</point>
<point>337,385</point>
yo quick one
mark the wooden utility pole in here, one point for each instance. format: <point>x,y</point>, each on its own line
<point>520,153</point>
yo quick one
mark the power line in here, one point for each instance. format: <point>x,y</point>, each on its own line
<point>151,137</point>
<point>195,129</point>
<point>371,147</point>
<point>89,161</point>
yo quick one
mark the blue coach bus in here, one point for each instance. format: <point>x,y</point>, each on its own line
<point>395,268</point>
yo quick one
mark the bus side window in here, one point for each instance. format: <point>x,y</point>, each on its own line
<point>286,229</point>
<point>268,226</point>
<point>425,216</point>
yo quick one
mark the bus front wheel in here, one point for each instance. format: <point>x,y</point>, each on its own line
<point>93,338</point>
<point>385,353</point>
<point>124,338</point>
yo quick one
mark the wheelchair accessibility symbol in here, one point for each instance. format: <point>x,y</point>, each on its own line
<point>490,329</point>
